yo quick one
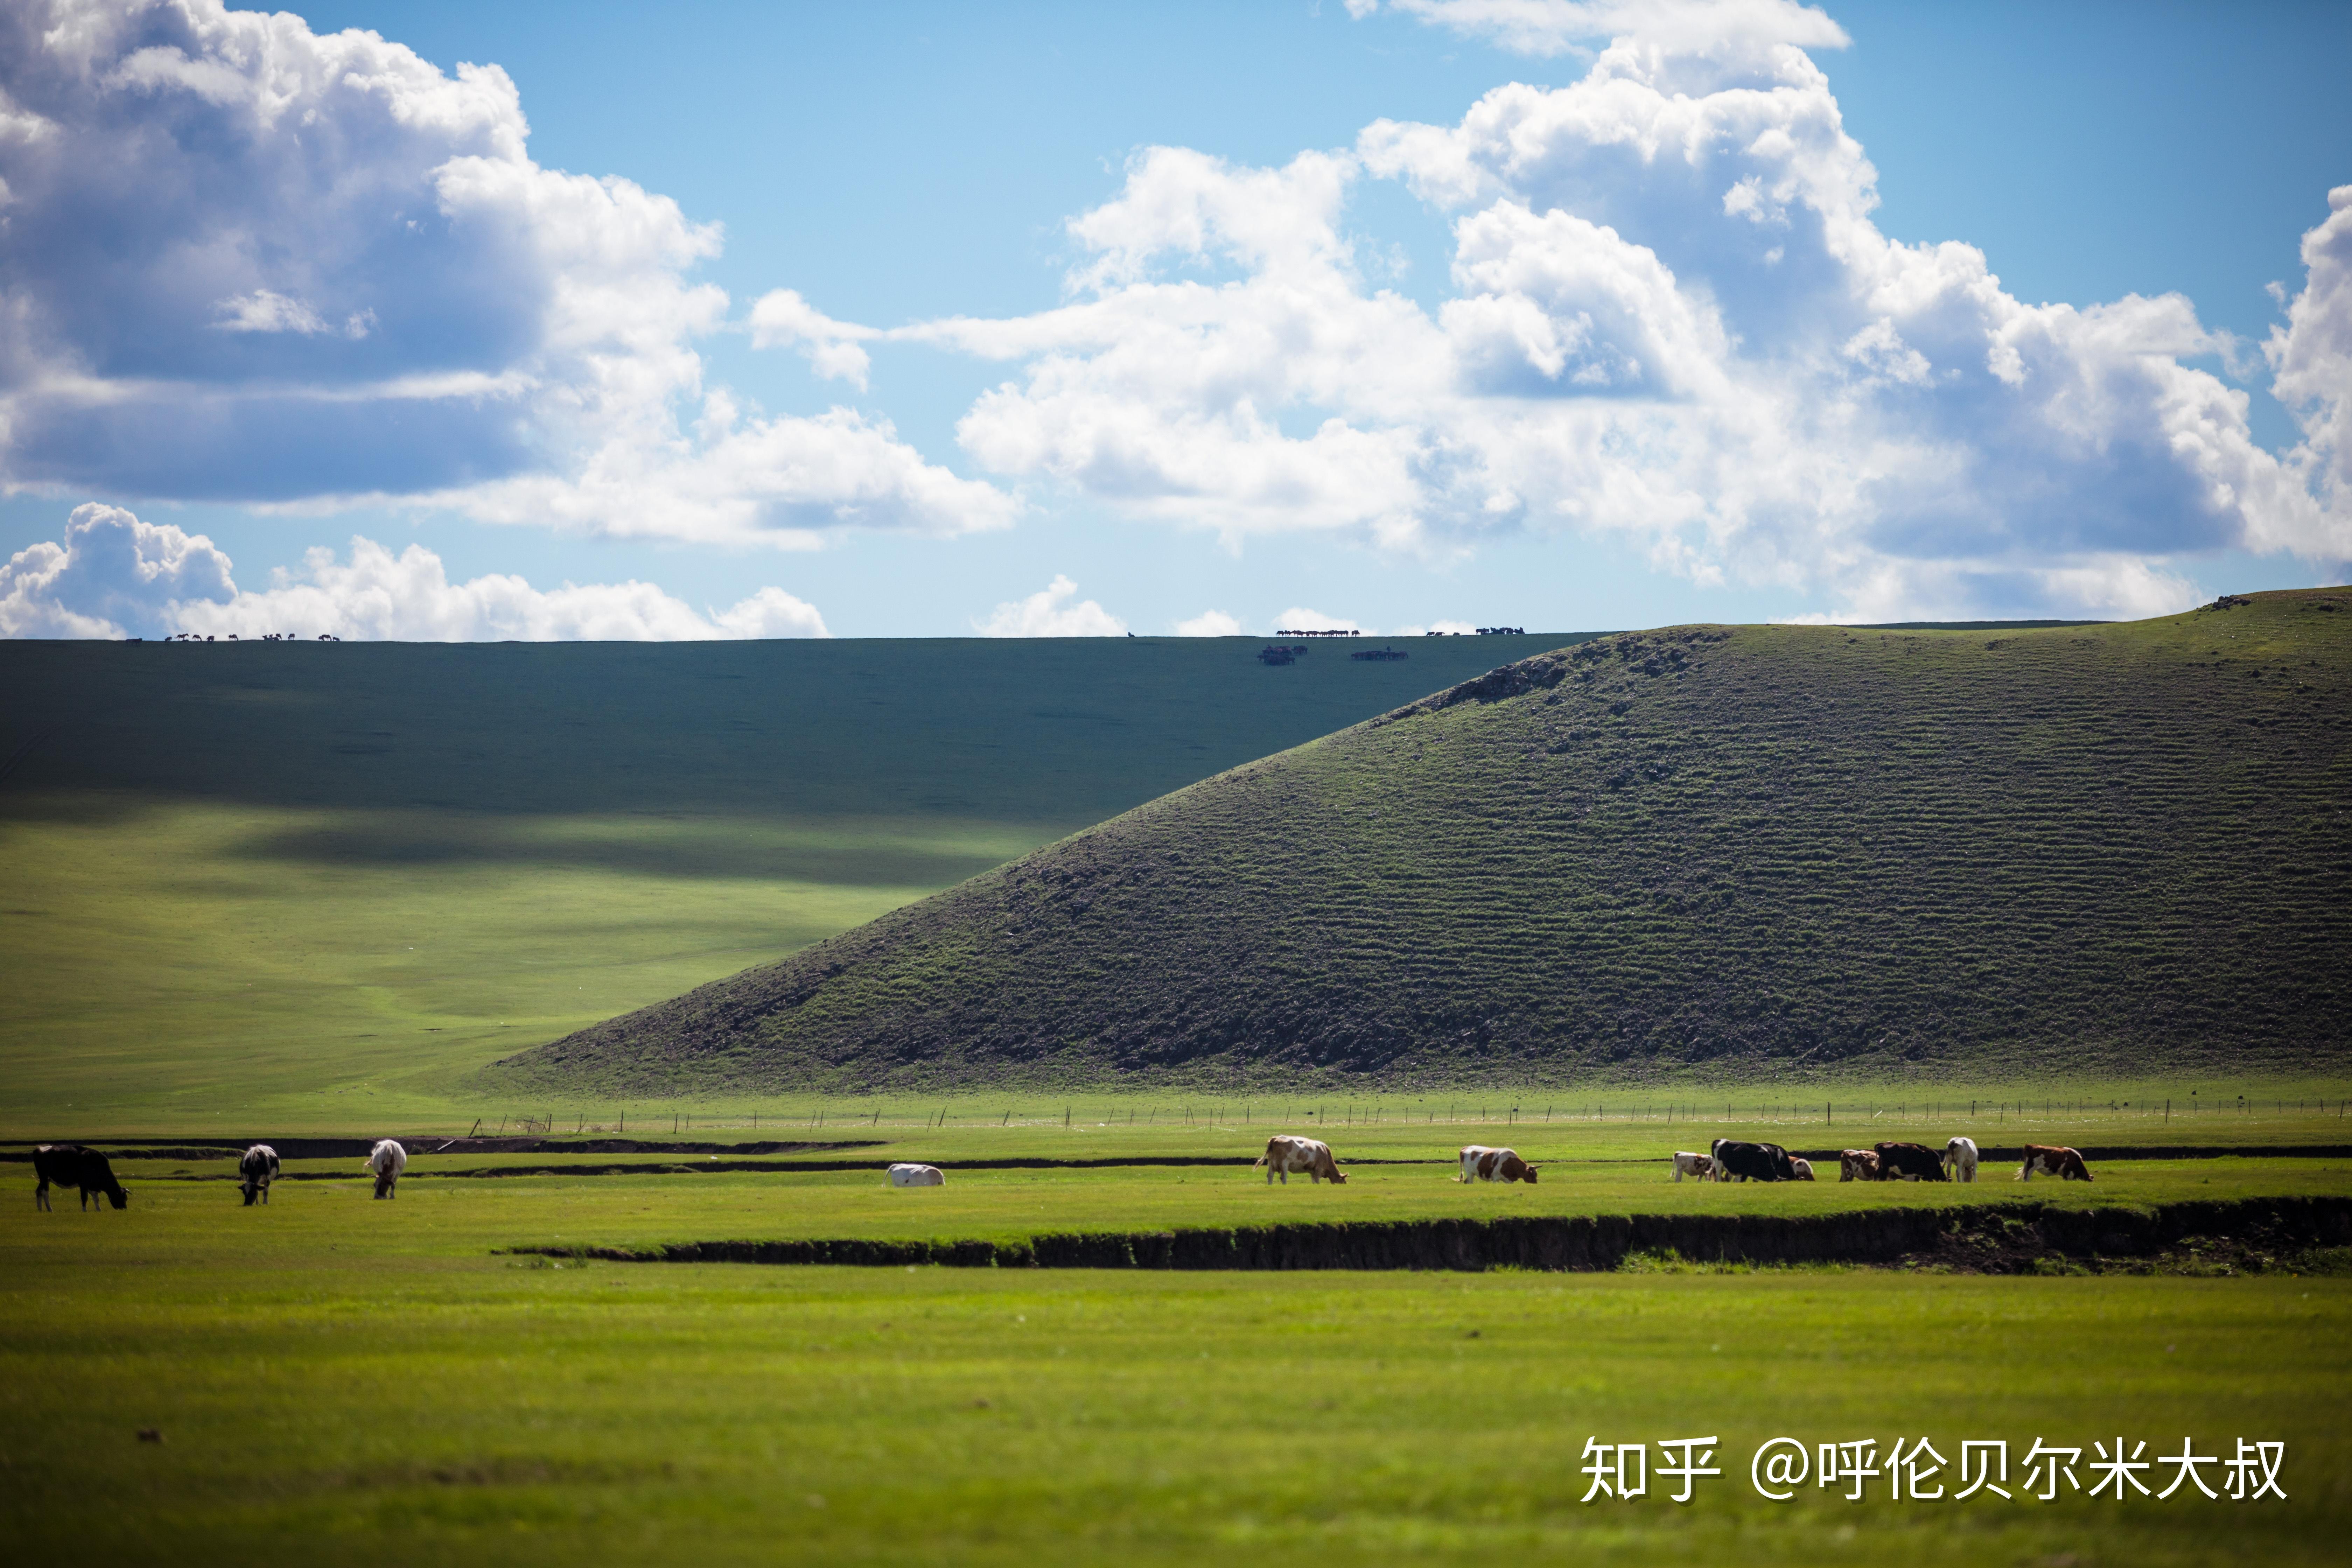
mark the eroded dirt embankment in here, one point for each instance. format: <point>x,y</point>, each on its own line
<point>1992,1238</point>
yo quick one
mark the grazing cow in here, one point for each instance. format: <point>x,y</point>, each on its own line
<point>1907,1162</point>
<point>1752,1162</point>
<point>2040,1159</point>
<point>387,1160</point>
<point>1699,1167</point>
<point>72,1166</point>
<point>255,1172</point>
<point>903,1174</point>
<point>1960,1159</point>
<point>1286,1156</point>
<point>1803,1167</point>
<point>1858,1165</point>
<point>1480,1164</point>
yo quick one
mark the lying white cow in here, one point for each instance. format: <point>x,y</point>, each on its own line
<point>905,1175</point>
<point>1286,1156</point>
<point>1960,1159</point>
<point>387,1160</point>
<point>1698,1167</point>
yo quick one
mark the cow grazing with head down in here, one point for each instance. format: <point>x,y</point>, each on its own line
<point>2040,1159</point>
<point>72,1165</point>
<point>1960,1159</point>
<point>1752,1162</point>
<point>1803,1167</point>
<point>256,1171</point>
<point>1699,1167</point>
<point>1907,1162</point>
<point>1286,1156</point>
<point>1858,1165</point>
<point>1480,1164</point>
<point>387,1160</point>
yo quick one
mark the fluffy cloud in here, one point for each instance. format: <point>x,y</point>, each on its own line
<point>115,575</point>
<point>242,261</point>
<point>1547,27</point>
<point>1053,610</point>
<point>1298,618</point>
<point>1672,321</point>
<point>1210,624</point>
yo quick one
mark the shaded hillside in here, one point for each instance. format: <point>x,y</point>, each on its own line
<point>1757,848</point>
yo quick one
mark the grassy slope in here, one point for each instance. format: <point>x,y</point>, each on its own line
<point>364,1379</point>
<point>292,880</point>
<point>1763,849</point>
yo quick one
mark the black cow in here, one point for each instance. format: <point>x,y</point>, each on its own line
<point>255,1172</point>
<point>1898,1160</point>
<point>1752,1162</point>
<point>72,1166</point>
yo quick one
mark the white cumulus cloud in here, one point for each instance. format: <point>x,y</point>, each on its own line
<point>1672,321</point>
<point>1298,618</point>
<point>115,575</point>
<point>1210,624</point>
<point>1053,610</point>
<point>242,261</point>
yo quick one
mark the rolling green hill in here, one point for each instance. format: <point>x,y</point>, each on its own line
<point>261,876</point>
<point>1756,849</point>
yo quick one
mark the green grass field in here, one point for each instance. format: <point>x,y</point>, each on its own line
<point>374,1382</point>
<point>233,877</point>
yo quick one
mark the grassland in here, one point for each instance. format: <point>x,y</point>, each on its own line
<point>285,881</point>
<point>372,1381</point>
<point>1756,852</point>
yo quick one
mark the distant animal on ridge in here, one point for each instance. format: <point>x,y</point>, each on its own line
<point>1858,1165</point>
<point>2040,1159</point>
<point>72,1165</point>
<point>1287,1155</point>
<point>1751,1161</point>
<point>1960,1159</point>
<point>256,1171</point>
<point>1699,1167</point>
<point>905,1175</point>
<point>1480,1164</point>
<point>1902,1161</point>
<point>387,1160</point>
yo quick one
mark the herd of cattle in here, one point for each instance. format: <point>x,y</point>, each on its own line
<point>1726,1160</point>
<point>86,1170</point>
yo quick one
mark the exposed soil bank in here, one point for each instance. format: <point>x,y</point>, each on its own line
<point>1980,1239</point>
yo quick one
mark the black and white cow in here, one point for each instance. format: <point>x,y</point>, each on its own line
<point>255,1172</point>
<point>1752,1162</point>
<point>72,1165</point>
<point>1904,1162</point>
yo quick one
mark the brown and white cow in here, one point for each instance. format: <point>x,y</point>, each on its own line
<point>1802,1167</point>
<point>1480,1164</point>
<point>1700,1167</point>
<point>1286,1156</point>
<point>1858,1165</point>
<point>2044,1161</point>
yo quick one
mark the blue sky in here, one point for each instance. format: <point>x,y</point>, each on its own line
<point>1670,432</point>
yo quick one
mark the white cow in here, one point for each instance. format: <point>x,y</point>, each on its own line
<point>1960,1159</point>
<point>903,1174</point>
<point>387,1160</point>
<point>1698,1167</point>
